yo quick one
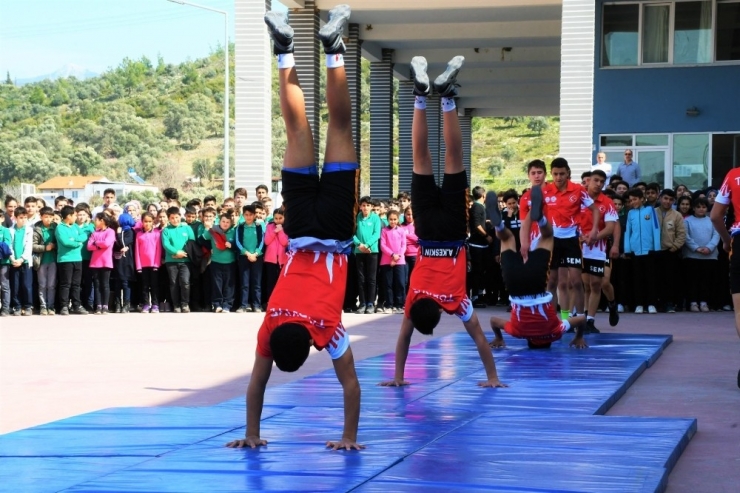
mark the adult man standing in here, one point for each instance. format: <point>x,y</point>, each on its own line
<point>565,200</point>
<point>629,170</point>
<point>602,165</point>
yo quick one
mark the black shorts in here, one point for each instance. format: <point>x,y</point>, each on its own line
<point>735,265</point>
<point>440,214</point>
<point>566,252</point>
<point>525,279</point>
<point>594,267</point>
<point>324,208</point>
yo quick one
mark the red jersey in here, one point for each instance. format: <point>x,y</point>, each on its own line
<point>564,207</point>
<point>440,273</point>
<point>729,194</point>
<point>525,205</point>
<point>534,319</point>
<point>310,292</point>
<point>607,213</point>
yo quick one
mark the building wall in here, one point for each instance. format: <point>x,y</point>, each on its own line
<point>647,100</point>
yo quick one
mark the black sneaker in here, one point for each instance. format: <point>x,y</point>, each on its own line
<point>738,378</point>
<point>79,311</point>
<point>446,84</point>
<point>280,32</point>
<point>331,34</point>
<point>535,212</point>
<point>64,311</point>
<point>420,77</point>
<point>591,327</point>
<point>493,213</point>
<point>613,314</point>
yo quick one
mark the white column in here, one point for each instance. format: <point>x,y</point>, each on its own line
<point>253,112</point>
<point>577,84</point>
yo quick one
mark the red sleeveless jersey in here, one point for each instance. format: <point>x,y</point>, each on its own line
<point>310,292</point>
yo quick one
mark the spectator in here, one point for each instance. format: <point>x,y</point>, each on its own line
<point>700,254</point>
<point>629,170</point>
<point>70,242</point>
<point>250,241</point>
<point>672,239</point>
<point>652,190</point>
<point>223,263</point>
<point>10,204</point>
<point>684,206</point>
<point>602,165</point>
<point>393,264</point>
<point>60,202</point>
<point>642,240</point>
<point>6,245</point>
<point>148,259</point>
<point>174,240</point>
<point>261,192</point>
<point>412,243</point>
<point>367,236</point>
<point>21,277</point>
<point>45,261</point>
<point>276,241</point>
<point>478,242</point>
<point>101,244</point>
<point>109,198</point>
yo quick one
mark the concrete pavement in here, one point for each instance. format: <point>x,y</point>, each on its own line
<point>56,367</point>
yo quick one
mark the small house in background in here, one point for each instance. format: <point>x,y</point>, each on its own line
<point>83,188</point>
<point>72,187</point>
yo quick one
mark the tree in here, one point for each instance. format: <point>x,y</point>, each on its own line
<point>132,73</point>
<point>513,120</point>
<point>86,161</point>
<point>37,96</point>
<point>203,168</point>
<point>8,80</point>
<point>538,124</point>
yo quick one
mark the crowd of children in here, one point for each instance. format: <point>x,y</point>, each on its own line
<point>162,257</point>
<point>227,258</point>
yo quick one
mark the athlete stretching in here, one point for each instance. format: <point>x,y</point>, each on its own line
<point>440,215</point>
<point>306,306</point>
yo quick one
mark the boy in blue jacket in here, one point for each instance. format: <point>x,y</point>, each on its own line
<point>642,239</point>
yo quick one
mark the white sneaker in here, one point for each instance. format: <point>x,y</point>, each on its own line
<point>651,309</point>
<point>638,309</point>
<point>703,306</point>
<point>694,307</point>
<point>620,308</point>
<point>727,308</point>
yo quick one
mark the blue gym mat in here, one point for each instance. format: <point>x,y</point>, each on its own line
<point>441,433</point>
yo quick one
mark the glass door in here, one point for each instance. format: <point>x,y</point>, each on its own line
<point>653,166</point>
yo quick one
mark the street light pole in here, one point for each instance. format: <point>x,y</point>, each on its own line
<point>226,87</point>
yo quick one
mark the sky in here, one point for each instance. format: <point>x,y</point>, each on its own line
<point>38,37</point>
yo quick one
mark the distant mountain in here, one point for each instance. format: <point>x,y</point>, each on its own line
<point>68,70</point>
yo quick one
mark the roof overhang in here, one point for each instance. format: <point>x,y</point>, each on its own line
<point>511,47</point>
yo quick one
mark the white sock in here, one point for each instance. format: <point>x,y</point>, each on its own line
<point>448,104</point>
<point>286,60</point>
<point>566,325</point>
<point>589,317</point>
<point>420,103</point>
<point>334,61</point>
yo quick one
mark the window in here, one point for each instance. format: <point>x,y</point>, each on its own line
<point>621,25</point>
<point>680,33</point>
<point>669,159</point>
<point>691,160</point>
<point>692,35</point>
<point>728,31</point>
<point>616,140</point>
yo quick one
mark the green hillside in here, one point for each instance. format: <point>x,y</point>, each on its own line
<point>166,122</point>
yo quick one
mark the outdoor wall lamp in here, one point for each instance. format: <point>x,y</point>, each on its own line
<point>693,111</point>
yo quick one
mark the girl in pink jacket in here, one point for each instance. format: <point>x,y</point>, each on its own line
<point>148,257</point>
<point>393,264</point>
<point>412,242</point>
<point>100,244</point>
<point>276,242</point>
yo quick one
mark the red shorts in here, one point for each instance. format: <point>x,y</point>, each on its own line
<point>539,324</point>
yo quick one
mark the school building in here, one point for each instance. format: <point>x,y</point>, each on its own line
<point>652,76</point>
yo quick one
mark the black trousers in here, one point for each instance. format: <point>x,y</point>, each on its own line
<point>367,271</point>
<point>149,286</point>
<point>643,279</point>
<point>179,274</point>
<point>101,285</point>
<point>272,272</point>
<point>478,258</point>
<point>701,275</point>
<point>669,273</point>
<point>395,285</point>
<point>69,275</point>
